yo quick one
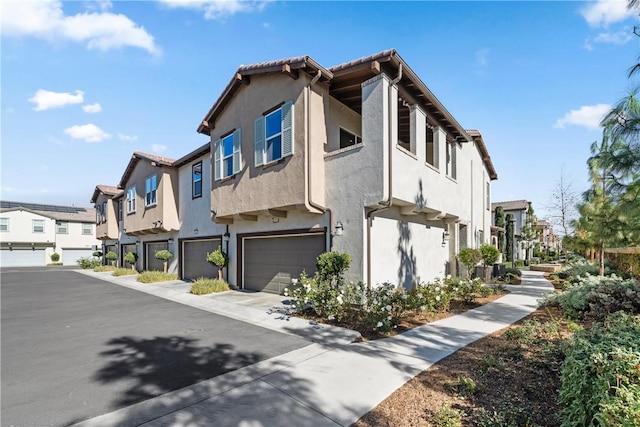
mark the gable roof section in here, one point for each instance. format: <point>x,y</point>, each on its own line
<point>291,66</point>
<point>154,159</point>
<point>484,153</point>
<point>107,190</point>
<point>56,212</point>
<point>198,152</point>
<point>513,205</point>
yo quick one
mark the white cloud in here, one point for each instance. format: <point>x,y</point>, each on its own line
<point>588,116</point>
<point>128,138</point>
<point>604,12</point>
<point>88,133</point>
<point>99,30</point>
<point>619,37</point>
<point>45,99</point>
<point>158,148</point>
<point>217,9</point>
<point>92,108</point>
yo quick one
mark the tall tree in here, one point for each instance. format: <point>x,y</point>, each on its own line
<point>508,247</point>
<point>529,232</point>
<point>562,205</point>
<point>500,223</point>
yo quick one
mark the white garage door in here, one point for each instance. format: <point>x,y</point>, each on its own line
<point>194,258</point>
<point>71,256</point>
<point>270,263</point>
<point>22,258</point>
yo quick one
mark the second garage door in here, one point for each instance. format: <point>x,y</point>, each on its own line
<point>194,258</point>
<point>270,263</point>
<point>151,262</point>
<point>71,256</point>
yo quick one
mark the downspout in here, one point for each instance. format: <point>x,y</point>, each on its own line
<point>386,204</point>
<point>311,203</point>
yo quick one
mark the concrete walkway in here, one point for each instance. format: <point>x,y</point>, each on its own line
<point>332,383</point>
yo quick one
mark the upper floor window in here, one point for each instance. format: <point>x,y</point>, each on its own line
<point>196,173</point>
<point>404,126</point>
<point>62,227</point>
<point>273,132</point>
<point>150,189</point>
<point>488,201</point>
<point>452,168</point>
<point>347,139</point>
<point>432,147</point>
<point>37,225</point>
<point>87,228</point>
<point>4,224</point>
<point>103,212</point>
<point>120,210</point>
<point>131,199</point>
<point>227,159</point>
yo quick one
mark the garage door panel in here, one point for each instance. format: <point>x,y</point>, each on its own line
<point>71,256</point>
<point>271,263</point>
<point>194,259</point>
<point>22,258</point>
<point>154,264</point>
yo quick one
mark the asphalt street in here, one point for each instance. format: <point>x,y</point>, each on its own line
<point>74,347</point>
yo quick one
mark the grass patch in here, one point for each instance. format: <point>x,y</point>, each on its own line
<point>101,268</point>
<point>448,417</point>
<point>124,272</point>
<point>156,276</point>
<point>54,264</point>
<point>203,286</point>
<point>463,386</point>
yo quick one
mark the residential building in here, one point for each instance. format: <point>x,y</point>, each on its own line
<point>548,240</point>
<point>359,158</point>
<point>30,233</point>
<point>518,211</point>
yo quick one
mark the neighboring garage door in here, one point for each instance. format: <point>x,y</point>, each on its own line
<point>194,258</point>
<point>71,256</point>
<point>22,258</point>
<point>125,249</point>
<point>151,262</point>
<point>271,262</point>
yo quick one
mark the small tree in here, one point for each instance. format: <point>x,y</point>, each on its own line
<point>508,246</point>
<point>218,258</point>
<point>112,257</point>
<point>164,255</point>
<point>55,257</point>
<point>500,223</point>
<point>332,265</point>
<point>131,258</point>
<point>469,257</point>
<point>490,255</point>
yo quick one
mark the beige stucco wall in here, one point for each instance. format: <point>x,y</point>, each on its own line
<point>108,229</point>
<point>283,184</point>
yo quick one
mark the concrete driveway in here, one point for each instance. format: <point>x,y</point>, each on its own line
<point>74,347</point>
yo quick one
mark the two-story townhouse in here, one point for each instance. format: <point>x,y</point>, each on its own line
<point>108,206</point>
<point>547,239</point>
<point>30,233</point>
<point>360,158</point>
<point>518,211</point>
<point>149,208</point>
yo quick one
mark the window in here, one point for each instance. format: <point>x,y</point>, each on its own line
<point>404,126</point>
<point>98,214</point>
<point>103,212</point>
<point>62,227</point>
<point>87,228</point>
<point>488,201</point>
<point>37,225</point>
<point>347,139</point>
<point>196,173</point>
<point>274,135</point>
<point>4,224</point>
<point>432,147</point>
<point>451,160</point>
<point>227,155</point>
<point>150,189</point>
<point>131,199</point>
<point>120,210</point>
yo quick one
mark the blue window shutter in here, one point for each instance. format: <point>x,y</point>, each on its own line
<point>217,157</point>
<point>258,149</point>
<point>287,129</point>
<point>237,144</point>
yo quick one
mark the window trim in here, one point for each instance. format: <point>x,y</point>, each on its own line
<point>58,223</point>
<point>153,192</point>
<point>7,225</point>
<point>357,138</point>
<point>286,134</point>
<point>236,156</point>
<point>84,224</point>
<point>33,226</point>
<point>131,202</point>
<point>194,181</point>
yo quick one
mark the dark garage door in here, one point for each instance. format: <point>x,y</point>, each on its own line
<point>194,258</point>
<point>152,263</point>
<point>124,250</point>
<point>270,263</point>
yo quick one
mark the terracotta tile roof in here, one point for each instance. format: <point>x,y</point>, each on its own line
<point>484,153</point>
<point>154,158</point>
<point>363,60</point>
<point>136,157</point>
<point>108,190</point>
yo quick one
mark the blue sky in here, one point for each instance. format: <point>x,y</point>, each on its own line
<point>84,84</point>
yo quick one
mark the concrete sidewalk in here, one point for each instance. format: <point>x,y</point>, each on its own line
<point>330,384</point>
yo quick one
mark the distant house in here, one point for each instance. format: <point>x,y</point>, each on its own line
<point>546,237</point>
<point>31,232</point>
<point>518,209</point>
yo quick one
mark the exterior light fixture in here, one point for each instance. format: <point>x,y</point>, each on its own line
<point>445,238</point>
<point>226,236</point>
<point>339,229</point>
<point>195,231</point>
<point>170,240</point>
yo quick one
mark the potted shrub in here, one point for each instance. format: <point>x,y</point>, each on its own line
<point>469,257</point>
<point>131,258</point>
<point>218,258</point>
<point>111,257</point>
<point>490,255</point>
<point>55,257</point>
<point>164,255</point>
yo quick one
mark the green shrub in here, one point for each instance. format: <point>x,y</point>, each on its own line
<point>469,257</point>
<point>219,259</point>
<point>102,268</point>
<point>489,254</point>
<point>164,255</point>
<point>462,386</point>
<point>513,272</point>
<point>131,258</point>
<point>332,265</point>
<point>97,254</point>
<point>507,415</point>
<point>55,257</point>
<point>600,375</point>
<point>124,272</point>
<point>86,262</point>
<point>112,257</point>
<point>203,286</point>
<point>156,276</point>
<point>447,417</point>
